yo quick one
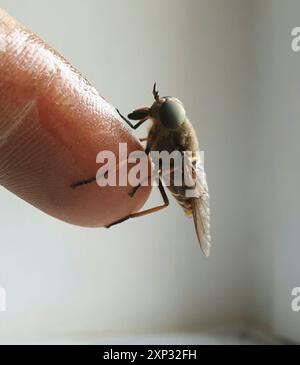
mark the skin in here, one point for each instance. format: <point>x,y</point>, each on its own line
<point>53,123</point>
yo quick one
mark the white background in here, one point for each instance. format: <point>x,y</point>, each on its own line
<point>231,64</point>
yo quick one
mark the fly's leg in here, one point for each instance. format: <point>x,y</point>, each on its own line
<point>129,122</point>
<point>83,182</point>
<point>93,179</point>
<point>144,139</point>
<point>135,189</point>
<point>147,211</point>
<point>161,173</point>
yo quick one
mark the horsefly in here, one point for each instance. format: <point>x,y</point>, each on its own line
<point>171,131</point>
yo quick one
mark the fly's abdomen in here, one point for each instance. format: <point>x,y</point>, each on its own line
<point>184,203</point>
<point>178,193</point>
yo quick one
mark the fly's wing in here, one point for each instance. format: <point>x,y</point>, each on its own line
<point>199,196</point>
<point>201,217</point>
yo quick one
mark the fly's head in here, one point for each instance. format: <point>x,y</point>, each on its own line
<point>168,110</point>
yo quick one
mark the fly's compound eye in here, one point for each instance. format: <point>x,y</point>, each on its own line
<point>172,113</point>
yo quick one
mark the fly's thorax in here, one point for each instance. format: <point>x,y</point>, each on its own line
<point>189,137</point>
<point>180,139</point>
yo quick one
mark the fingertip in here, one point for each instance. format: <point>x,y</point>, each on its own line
<point>52,126</point>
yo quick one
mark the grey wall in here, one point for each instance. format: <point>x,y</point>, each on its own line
<point>275,157</point>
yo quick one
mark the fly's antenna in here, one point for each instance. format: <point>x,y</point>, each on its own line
<point>155,92</point>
